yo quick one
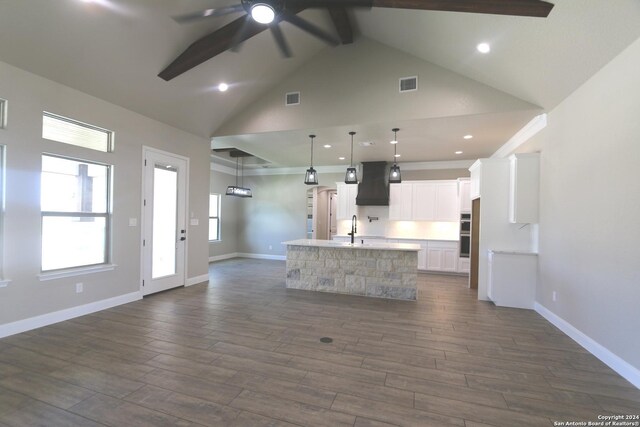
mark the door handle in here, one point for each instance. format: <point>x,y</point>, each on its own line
<point>182,239</point>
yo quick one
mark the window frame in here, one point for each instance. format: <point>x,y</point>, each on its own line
<point>109,133</point>
<point>217,216</point>
<point>107,215</point>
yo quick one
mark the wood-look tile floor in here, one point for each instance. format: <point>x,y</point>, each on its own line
<point>245,351</point>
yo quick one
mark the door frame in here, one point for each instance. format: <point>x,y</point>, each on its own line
<point>146,149</point>
<point>332,194</point>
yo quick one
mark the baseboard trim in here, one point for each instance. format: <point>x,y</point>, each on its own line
<point>66,314</point>
<point>223,257</point>
<point>262,256</point>
<point>198,279</point>
<point>626,370</point>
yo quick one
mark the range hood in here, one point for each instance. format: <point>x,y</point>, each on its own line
<point>373,189</point>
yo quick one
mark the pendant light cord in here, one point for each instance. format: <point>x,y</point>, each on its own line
<point>395,147</point>
<point>351,161</point>
<point>312,151</point>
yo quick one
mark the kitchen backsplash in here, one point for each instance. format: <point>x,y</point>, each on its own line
<point>398,229</point>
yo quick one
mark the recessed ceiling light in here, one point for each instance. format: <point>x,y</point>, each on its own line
<point>327,145</point>
<point>222,87</point>
<point>365,144</point>
<point>484,48</point>
<point>396,155</point>
<point>340,158</point>
<point>458,152</point>
<point>468,136</point>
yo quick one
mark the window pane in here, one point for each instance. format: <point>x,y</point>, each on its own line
<point>73,242</point>
<point>213,229</point>
<point>68,131</point>
<point>73,186</point>
<point>213,204</point>
<point>3,113</point>
<point>165,221</point>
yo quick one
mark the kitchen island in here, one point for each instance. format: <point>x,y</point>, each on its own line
<point>382,270</point>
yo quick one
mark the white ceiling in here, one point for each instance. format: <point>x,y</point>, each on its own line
<point>113,49</point>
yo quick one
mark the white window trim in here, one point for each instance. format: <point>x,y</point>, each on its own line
<point>60,274</point>
<point>110,134</point>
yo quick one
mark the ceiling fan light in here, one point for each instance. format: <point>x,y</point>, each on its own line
<point>263,13</point>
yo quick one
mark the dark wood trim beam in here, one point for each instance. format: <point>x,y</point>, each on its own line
<point>342,23</point>
<point>535,8</point>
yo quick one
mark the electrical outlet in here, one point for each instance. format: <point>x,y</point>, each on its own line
<point>79,287</point>
<point>554,296</point>
<point>270,247</point>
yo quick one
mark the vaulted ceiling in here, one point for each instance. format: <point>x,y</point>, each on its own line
<point>114,49</point>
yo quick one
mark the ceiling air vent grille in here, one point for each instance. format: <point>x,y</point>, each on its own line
<point>292,98</point>
<point>408,84</point>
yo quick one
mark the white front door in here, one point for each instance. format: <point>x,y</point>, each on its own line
<point>164,220</point>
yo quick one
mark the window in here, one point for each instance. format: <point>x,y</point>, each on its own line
<point>75,204</point>
<point>214,217</point>
<point>3,113</point>
<point>69,131</point>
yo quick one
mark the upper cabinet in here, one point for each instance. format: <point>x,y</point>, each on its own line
<point>346,200</point>
<point>400,201</point>
<point>424,201</point>
<point>464,194</point>
<point>476,170</point>
<point>524,179</point>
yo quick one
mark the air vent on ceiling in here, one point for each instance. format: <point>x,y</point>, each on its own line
<point>292,98</point>
<point>409,84</point>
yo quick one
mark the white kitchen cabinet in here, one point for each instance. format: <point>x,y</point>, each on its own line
<point>464,194</point>
<point>524,179</point>
<point>464,265</point>
<point>512,278</point>
<point>442,256</point>
<point>475,170</point>
<point>400,201</point>
<point>446,204</point>
<point>346,200</point>
<point>424,199</point>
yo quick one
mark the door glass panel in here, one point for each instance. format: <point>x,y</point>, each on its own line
<point>165,226</point>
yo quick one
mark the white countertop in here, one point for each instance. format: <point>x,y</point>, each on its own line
<point>346,245</point>
<point>511,252</point>
<point>364,236</point>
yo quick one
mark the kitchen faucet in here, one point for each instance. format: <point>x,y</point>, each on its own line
<point>354,228</point>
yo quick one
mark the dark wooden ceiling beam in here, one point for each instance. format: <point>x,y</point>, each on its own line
<point>342,23</point>
<point>212,45</point>
<point>535,8</point>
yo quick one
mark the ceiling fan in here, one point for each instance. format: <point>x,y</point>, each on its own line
<point>258,15</point>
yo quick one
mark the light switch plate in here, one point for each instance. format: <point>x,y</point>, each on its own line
<point>194,221</point>
<point>133,222</point>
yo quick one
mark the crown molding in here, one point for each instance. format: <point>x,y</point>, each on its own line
<point>523,135</point>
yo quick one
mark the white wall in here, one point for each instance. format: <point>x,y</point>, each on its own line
<point>228,243</point>
<point>28,95</point>
<point>590,205</point>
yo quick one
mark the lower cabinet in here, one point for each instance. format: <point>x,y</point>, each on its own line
<point>464,265</point>
<point>442,256</point>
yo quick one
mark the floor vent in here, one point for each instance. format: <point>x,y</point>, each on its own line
<point>292,98</point>
<point>409,84</point>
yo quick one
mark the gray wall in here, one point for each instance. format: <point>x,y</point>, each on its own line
<point>228,243</point>
<point>434,174</point>
<point>28,95</point>
<point>589,237</point>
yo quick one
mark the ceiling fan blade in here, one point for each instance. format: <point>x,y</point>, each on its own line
<point>212,45</point>
<point>309,27</point>
<point>208,13</point>
<point>535,8</point>
<point>280,40</point>
<point>241,35</point>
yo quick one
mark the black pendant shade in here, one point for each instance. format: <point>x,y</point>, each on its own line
<point>238,190</point>
<point>395,177</point>
<point>311,177</point>
<point>351,177</point>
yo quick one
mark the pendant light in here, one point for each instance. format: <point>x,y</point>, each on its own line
<point>394,173</point>
<point>239,191</point>
<point>311,177</point>
<point>351,177</point>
